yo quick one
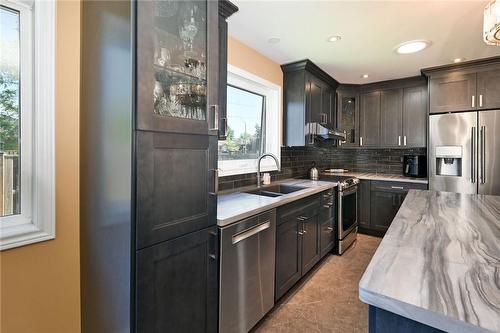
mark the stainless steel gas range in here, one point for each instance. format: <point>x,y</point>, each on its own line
<point>347,218</point>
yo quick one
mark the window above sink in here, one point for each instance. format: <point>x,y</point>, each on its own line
<point>253,118</point>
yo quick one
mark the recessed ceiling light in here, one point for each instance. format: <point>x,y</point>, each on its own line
<point>456,60</point>
<point>334,38</point>
<point>273,40</point>
<point>364,76</point>
<point>412,46</point>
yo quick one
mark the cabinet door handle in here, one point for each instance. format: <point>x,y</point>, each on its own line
<point>223,122</point>
<point>473,101</point>
<point>481,100</point>
<point>215,116</point>
<point>399,140</point>
<point>361,141</point>
<point>216,181</point>
<point>213,248</point>
<point>404,140</point>
<point>328,206</point>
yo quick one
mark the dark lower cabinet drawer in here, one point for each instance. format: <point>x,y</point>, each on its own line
<point>177,284</point>
<point>396,186</point>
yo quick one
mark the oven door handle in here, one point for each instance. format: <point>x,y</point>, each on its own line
<point>349,191</point>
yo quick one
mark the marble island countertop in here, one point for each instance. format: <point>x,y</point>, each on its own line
<point>233,207</point>
<point>379,176</point>
<point>439,262</point>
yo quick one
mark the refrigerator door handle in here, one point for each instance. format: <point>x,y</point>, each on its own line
<point>473,156</point>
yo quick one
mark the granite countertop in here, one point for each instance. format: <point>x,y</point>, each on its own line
<point>233,207</point>
<point>380,176</point>
<point>439,262</point>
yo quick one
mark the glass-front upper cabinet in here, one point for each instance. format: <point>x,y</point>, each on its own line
<point>173,65</point>
<point>348,116</point>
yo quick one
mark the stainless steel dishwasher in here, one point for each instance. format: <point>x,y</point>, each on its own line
<point>247,272</point>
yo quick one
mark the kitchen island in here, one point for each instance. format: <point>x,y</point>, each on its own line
<point>438,266</point>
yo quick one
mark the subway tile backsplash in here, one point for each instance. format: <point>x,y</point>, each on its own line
<point>296,161</point>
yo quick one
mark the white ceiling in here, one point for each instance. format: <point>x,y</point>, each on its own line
<point>370,31</point>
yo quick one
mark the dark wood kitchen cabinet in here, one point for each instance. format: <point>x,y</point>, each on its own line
<point>226,9</point>
<point>378,203</point>
<point>168,206</point>
<point>288,254</point>
<point>453,92</point>
<point>178,284</point>
<point>150,72</point>
<point>473,85</point>
<point>369,123</point>
<point>393,114</point>
<point>308,99</point>
<point>297,242</point>
<point>415,116</point>
<point>488,88</point>
<point>327,218</point>
<point>348,114</point>
<point>391,107</point>
<point>364,205</point>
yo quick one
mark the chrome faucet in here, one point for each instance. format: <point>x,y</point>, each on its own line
<point>258,165</point>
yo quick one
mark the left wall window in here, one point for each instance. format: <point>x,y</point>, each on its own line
<point>27,39</point>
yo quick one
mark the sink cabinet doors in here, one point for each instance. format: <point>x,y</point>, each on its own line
<point>304,234</point>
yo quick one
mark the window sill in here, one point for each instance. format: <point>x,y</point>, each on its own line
<point>242,171</point>
<point>23,234</point>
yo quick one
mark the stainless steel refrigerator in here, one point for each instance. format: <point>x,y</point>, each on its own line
<point>464,152</point>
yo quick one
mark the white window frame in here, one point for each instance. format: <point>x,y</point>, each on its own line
<point>36,222</point>
<point>242,79</point>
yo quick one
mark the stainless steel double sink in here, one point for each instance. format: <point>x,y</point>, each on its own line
<point>274,191</point>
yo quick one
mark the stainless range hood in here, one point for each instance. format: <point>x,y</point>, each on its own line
<point>325,133</point>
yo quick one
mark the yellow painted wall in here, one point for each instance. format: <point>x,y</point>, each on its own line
<point>40,283</point>
<point>248,59</point>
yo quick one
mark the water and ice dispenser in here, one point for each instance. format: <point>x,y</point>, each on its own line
<point>449,161</point>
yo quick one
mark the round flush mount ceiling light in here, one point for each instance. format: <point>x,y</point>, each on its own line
<point>457,60</point>
<point>273,40</point>
<point>412,46</point>
<point>334,38</point>
<point>364,76</point>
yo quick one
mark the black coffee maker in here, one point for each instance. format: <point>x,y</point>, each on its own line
<point>415,165</point>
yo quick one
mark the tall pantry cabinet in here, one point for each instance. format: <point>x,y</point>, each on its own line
<point>149,129</point>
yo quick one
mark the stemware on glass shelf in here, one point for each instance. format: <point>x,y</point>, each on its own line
<point>179,62</point>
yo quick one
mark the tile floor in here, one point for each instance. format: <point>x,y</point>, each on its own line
<point>327,301</point>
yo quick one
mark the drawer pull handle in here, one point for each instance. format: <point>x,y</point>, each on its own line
<point>327,206</point>
<point>329,229</point>
<point>397,187</point>
<point>302,218</point>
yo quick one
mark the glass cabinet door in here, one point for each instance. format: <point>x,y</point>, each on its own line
<point>172,65</point>
<point>348,115</point>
